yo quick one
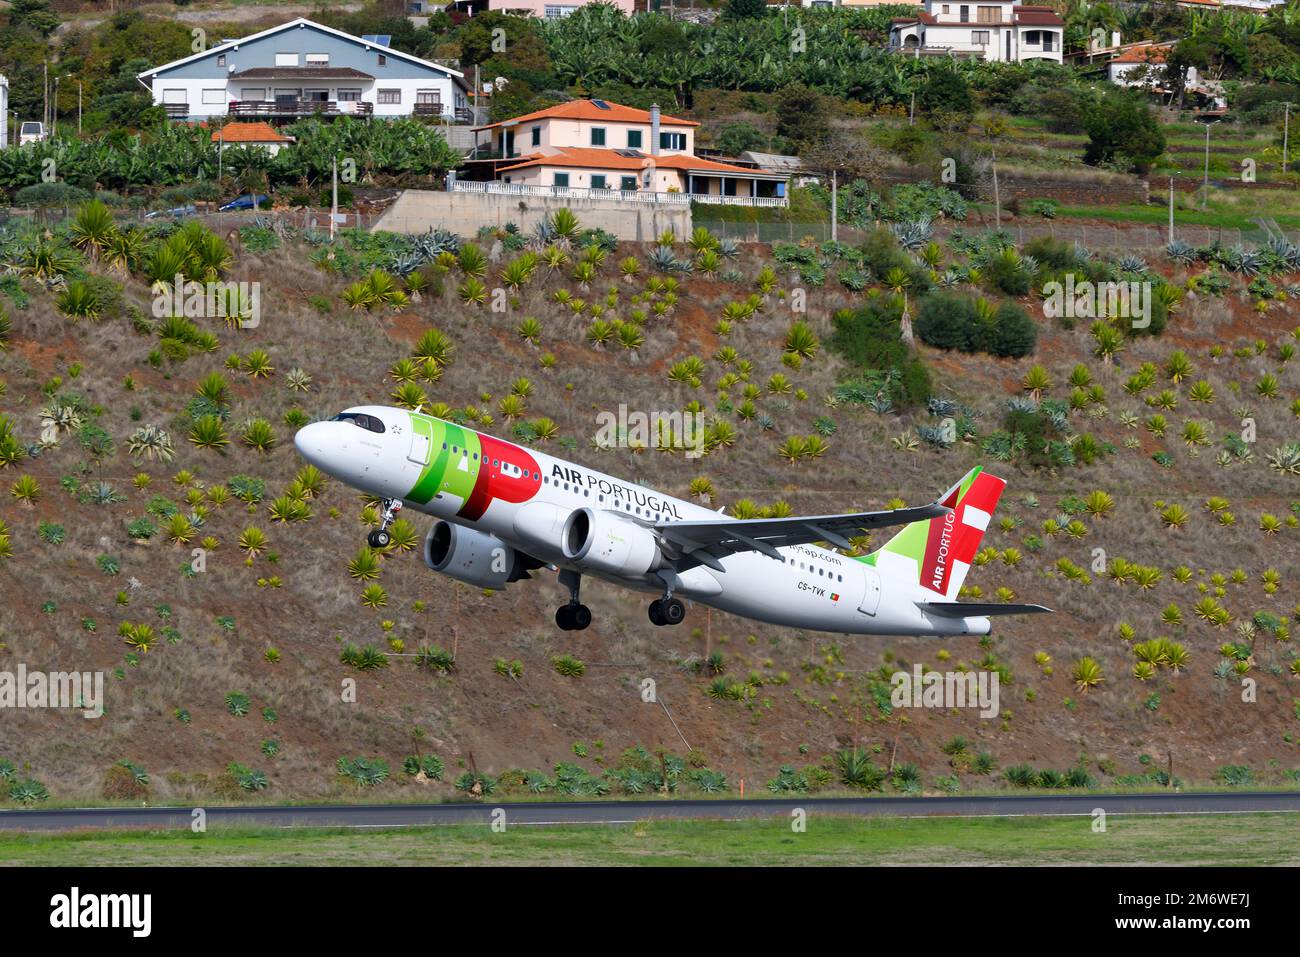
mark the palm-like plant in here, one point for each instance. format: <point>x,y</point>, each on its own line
<point>92,230</point>
<point>898,282</point>
<point>257,434</point>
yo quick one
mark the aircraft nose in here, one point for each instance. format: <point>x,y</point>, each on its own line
<point>314,443</point>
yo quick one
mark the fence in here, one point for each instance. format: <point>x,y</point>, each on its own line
<point>1113,237</point>
<point>622,195</point>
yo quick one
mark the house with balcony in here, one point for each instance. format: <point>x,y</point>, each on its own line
<point>608,150</point>
<point>543,9</point>
<point>302,68</point>
<point>1005,32</point>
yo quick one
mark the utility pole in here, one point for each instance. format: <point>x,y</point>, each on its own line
<point>334,197</point>
<point>45,94</point>
<point>54,126</point>
<point>221,152</point>
<point>80,85</point>
<point>1286,130</point>
<point>1205,200</point>
<point>997,196</point>
<point>1171,209</point>
<point>835,212</point>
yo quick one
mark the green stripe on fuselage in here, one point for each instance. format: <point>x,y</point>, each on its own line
<point>454,474</point>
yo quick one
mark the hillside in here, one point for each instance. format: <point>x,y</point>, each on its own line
<point>272,627</point>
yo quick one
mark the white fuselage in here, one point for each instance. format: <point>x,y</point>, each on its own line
<point>809,588</point>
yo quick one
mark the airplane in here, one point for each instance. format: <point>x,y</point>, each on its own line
<point>503,511</point>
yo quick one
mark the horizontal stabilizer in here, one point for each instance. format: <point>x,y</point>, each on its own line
<point>974,609</point>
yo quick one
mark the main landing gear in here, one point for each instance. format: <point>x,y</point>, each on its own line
<point>574,616</point>
<point>379,538</point>
<point>667,610</point>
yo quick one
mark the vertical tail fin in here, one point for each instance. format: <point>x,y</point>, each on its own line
<point>937,553</point>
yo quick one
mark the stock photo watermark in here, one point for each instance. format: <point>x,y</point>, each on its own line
<point>946,689</point>
<point>82,690</point>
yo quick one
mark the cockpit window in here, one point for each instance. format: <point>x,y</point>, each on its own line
<point>360,419</point>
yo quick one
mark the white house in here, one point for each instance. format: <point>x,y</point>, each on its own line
<point>610,151</point>
<point>1006,32</point>
<point>4,111</point>
<point>302,68</point>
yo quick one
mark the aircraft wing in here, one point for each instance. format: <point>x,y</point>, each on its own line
<point>704,542</point>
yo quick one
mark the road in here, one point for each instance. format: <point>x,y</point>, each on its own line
<point>623,812</point>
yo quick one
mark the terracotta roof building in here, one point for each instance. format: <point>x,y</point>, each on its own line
<point>1007,32</point>
<point>251,134</point>
<point>612,151</point>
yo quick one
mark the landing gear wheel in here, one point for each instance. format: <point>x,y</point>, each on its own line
<point>573,617</point>
<point>672,611</point>
<point>580,615</point>
<point>656,613</point>
<point>379,538</point>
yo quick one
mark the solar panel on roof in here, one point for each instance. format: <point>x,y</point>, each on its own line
<point>634,154</point>
<point>600,104</point>
<point>379,39</point>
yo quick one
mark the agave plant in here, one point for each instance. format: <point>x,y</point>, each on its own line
<point>913,233</point>
<point>1239,259</point>
<point>1181,252</point>
<point>151,442</point>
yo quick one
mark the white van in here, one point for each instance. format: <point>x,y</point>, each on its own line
<point>32,131</point>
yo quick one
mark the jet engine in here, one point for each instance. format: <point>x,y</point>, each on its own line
<point>609,543</point>
<point>475,558</point>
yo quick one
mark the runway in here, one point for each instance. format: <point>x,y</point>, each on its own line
<point>625,812</point>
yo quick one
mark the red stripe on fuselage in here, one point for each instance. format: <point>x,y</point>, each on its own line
<point>492,483</point>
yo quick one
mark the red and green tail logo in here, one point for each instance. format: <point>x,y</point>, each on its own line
<point>938,552</point>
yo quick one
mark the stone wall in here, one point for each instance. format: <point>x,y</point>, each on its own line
<point>417,211</point>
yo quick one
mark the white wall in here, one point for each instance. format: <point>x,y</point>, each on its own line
<point>191,92</point>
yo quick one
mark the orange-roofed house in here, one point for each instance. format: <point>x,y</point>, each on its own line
<point>251,134</point>
<point>617,151</point>
<point>1004,32</point>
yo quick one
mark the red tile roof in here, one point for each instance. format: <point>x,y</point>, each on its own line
<point>1037,16</point>
<point>1021,15</point>
<point>1149,53</point>
<point>587,157</point>
<point>587,110</point>
<point>249,133</point>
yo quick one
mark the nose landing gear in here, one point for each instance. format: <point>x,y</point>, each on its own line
<point>379,537</point>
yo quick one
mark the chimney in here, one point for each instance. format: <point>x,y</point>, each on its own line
<point>654,129</point>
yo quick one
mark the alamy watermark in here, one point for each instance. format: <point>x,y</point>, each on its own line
<point>946,689</point>
<point>1098,300</point>
<point>240,302</point>
<point>661,430</point>
<point>53,689</point>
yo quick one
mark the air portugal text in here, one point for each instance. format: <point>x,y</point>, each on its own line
<point>574,476</point>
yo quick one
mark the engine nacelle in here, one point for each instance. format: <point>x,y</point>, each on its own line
<point>540,527</point>
<point>610,543</point>
<point>475,558</point>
